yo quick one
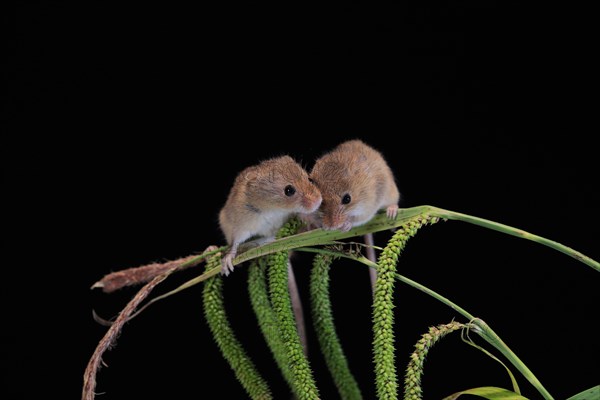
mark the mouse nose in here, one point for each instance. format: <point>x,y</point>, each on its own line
<point>312,201</point>
<point>333,221</point>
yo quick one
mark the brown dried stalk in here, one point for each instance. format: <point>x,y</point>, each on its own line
<point>110,338</point>
<point>138,275</point>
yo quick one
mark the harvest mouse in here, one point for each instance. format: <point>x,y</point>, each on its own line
<point>355,182</point>
<point>262,199</point>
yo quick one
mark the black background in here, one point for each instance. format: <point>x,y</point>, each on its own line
<point>126,125</point>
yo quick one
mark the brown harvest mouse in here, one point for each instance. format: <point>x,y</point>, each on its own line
<point>355,182</point>
<point>262,199</point>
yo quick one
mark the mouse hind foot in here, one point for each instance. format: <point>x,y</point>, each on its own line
<point>227,260</point>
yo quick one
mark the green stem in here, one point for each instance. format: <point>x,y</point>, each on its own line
<point>492,338</point>
<point>509,230</point>
<point>486,333</point>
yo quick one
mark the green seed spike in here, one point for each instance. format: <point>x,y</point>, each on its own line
<point>383,308</point>
<point>414,370</point>
<point>231,348</point>
<point>267,320</point>
<point>304,386</point>
<point>325,328</point>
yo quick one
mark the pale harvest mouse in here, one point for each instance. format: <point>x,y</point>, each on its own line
<point>355,182</point>
<point>263,197</point>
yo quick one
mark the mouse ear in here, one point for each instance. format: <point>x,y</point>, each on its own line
<point>250,175</point>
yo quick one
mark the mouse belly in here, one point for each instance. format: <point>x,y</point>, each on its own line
<point>266,224</point>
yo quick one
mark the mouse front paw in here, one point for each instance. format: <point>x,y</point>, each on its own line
<point>392,211</point>
<point>346,226</point>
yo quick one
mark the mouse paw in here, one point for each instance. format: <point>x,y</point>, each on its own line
<point>227,264</point>
<point>346,226</point>
<point>392,211</point>
<point>210,248</point>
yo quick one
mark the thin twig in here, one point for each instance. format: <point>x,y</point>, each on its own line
<point>297,307</point>
<point>372,257</point>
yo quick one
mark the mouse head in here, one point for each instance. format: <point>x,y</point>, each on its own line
<point>344,190</point>
<point>281,183</point>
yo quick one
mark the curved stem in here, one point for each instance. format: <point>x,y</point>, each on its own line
<point>492,338</point>
<point>509,230</point>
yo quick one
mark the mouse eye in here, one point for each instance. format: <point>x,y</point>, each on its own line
<point>311,180</point>
<point>289,190</point>
<point>346,199</point>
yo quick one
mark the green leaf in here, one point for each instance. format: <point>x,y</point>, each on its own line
<point>592,393</point>
<point>467,339</point>
<point>490,393</point>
